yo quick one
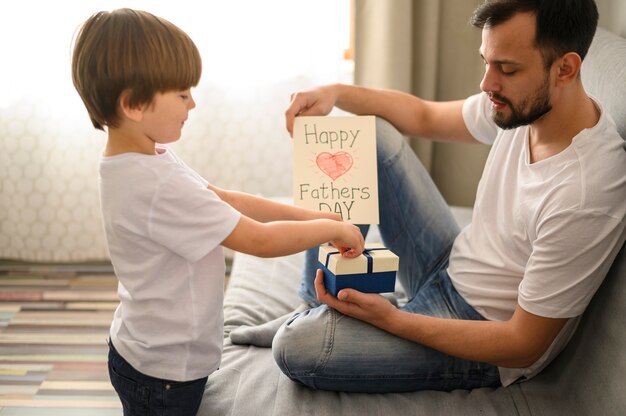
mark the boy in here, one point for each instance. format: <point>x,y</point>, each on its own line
<point>164,224</point>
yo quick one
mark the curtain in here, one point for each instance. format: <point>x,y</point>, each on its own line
<point>613,16</point>
<point>426,48</point>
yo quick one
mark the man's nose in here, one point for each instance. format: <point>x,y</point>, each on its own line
<point>490,81</point>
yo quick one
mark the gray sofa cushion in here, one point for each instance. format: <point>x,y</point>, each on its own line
<point>604,75</point>
<point>249,382</point>
<point>586,379</point>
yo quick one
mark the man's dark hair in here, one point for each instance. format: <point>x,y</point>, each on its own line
<point>562,25</point>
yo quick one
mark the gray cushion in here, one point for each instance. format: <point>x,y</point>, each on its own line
<point>249,382</point>
<point>586,379</point>
<point>604,75</point>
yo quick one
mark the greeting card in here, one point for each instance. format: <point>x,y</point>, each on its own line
<point>334,166</point>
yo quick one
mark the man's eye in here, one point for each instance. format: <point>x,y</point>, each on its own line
<point>507,71</point>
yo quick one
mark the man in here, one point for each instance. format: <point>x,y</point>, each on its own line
<point>495,303</point>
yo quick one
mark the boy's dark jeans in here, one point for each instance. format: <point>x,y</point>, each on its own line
<point>144,395</point>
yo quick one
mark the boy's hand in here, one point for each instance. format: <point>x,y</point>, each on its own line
<point>351,243</point>
<point>331,216</point>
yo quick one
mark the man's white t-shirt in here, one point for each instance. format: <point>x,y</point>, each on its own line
<point>164,230</point>
<point>542,234</point>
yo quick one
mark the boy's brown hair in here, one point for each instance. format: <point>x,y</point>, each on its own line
<point>130,51</point>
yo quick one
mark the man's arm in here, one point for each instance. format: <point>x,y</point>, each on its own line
<point>409,114</point>
<point>516,343</point>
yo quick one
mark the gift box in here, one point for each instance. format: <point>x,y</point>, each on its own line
<point>374,271</point>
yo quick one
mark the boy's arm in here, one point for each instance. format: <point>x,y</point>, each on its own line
<point>269,229</point>
<point>281,238</point>
<point>266,210</point>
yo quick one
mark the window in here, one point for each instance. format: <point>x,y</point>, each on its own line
<point>255,54</point>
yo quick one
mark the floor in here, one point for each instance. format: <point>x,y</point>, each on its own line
<point>54,325</point>
<point>54,322</point>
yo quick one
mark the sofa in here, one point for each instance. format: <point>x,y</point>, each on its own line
<point>588,377</point>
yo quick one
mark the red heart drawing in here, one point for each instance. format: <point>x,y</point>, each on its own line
<point>334,165</point>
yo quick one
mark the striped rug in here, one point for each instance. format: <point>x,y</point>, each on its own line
<point>54,323</point>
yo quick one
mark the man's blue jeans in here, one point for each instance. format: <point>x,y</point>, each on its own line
<point>324,349</point>
<point>142,395</point>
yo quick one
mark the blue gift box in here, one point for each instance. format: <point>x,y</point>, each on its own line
<point>374,271</point>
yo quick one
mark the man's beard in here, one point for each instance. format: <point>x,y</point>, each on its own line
<point>539,105</point>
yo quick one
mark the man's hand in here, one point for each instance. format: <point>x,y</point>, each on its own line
<point>368,307</point>
<point>515,343</point>
<point>315,102</point>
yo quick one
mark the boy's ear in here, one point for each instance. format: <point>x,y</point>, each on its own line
<point>134,113</point>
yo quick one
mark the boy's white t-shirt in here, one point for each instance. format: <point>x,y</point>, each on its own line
<point>164,230</point>
<point>542,234</point>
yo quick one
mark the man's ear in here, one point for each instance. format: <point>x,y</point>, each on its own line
<point>132,112</point>
<point>568,68</point>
